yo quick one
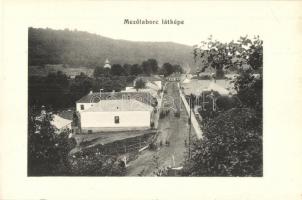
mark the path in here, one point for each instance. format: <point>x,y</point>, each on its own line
<point>172,129</point>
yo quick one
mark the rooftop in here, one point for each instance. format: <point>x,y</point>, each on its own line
<point>150,78</point>
<point>119,105</point>
<point>95,97</point>
<point>60,122</point>
<point>196,86</point>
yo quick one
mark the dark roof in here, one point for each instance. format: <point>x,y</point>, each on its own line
<point>119,105</point>
<point>95,97</point>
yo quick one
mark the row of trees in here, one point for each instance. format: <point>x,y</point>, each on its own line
<point>58,91</point>
<point>147,68</point>
<point>232,142</point>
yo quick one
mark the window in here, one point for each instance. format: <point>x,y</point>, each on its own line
<point>116,119</point>
<point>89,131</point>
<point>82,107</point>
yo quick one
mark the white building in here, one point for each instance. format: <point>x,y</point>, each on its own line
<point>60,124</point>
<point>107,64</point>
<point>151,82</point>
<point>114,115</point>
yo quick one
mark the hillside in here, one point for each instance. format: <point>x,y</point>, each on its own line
<point>82,49</point>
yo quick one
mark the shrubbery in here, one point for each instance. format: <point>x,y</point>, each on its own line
<point>232,146</point>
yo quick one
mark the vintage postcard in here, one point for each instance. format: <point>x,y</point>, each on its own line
<point>195,100</point>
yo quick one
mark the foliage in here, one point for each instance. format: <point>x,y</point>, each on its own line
<point>101,71</point>
<point>139,84</point>
<point>231,55</point>
<point>222,104</point>
<point>47,151</point>
<point>232,146</point>
<point>249,89</point>
<point>58,91</point>
<point>168,69</point>
<point>94,165</point>
<point>135,70</point>
<point>150,66</point>
<point>117,70</point>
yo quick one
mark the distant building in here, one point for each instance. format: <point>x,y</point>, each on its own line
<point>216,87</point>
<point>174,77</point>
<point>151,81</point>
<point>107,64</point>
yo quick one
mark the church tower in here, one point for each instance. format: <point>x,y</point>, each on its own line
<point>107,64</point>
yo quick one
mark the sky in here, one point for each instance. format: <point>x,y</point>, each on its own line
<point>224,21</point>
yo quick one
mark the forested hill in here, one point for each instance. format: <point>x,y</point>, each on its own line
<point>83,49</point>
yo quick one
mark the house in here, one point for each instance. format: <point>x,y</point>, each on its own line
<point>60,124</point>
<point>151,81</point>
<point>218,88</point>
<point>174,77</point>
<point>116,115</point>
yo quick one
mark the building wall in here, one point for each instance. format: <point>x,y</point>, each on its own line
<point>158,83</point>
<point>106,119</point>
<point>86,106</point>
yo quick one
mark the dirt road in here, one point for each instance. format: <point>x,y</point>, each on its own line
<point>173,129</point>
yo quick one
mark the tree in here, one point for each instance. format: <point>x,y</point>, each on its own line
<point>136,70</point>
<point>99,71</point>
<point>249,90</point>
<point>139,84</point>
<point>222,56</point>
<point>47,152</point>
<point>150,66</point>
<point>177,68</point>
<point>127,69</point>
<point>117,70</point>
<point>232,146</point>
<point>167,69</point>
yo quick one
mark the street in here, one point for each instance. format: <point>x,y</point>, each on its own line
<point>172,130</point>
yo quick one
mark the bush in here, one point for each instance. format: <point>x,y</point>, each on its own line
<point>232,146</point>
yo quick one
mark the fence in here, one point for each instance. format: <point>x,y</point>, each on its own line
<point>193,118</point>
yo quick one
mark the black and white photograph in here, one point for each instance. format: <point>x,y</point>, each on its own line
<point>105,107</point>
<point>150,100</point>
